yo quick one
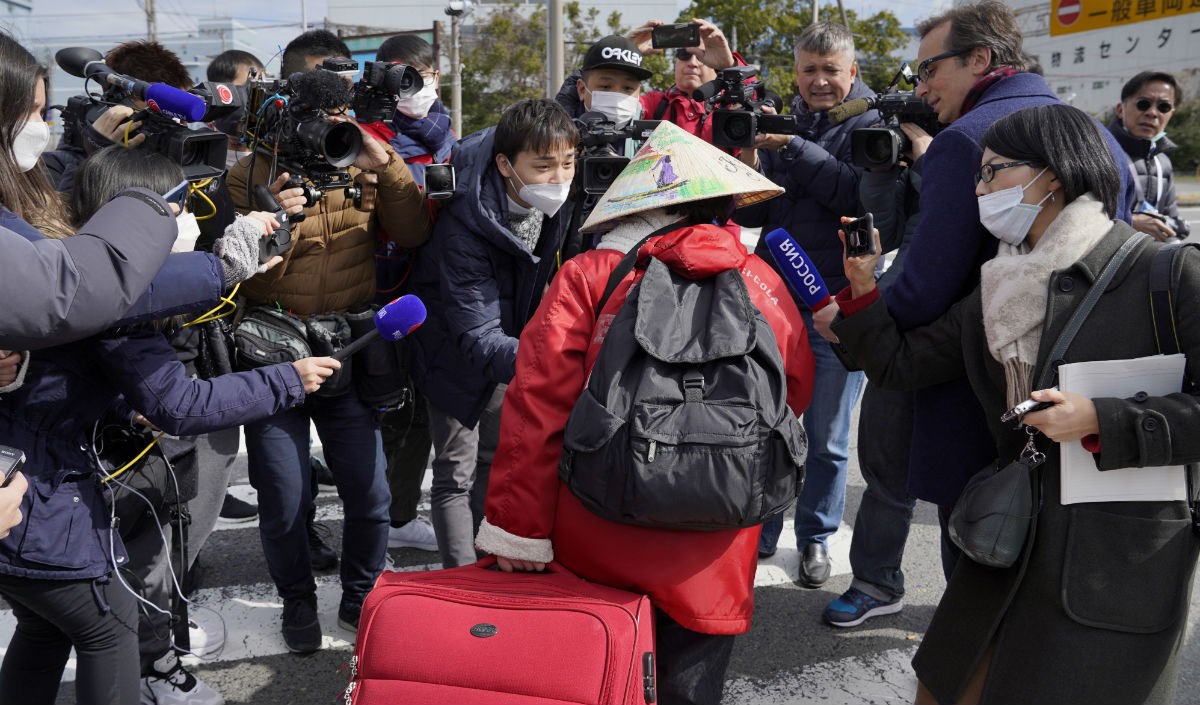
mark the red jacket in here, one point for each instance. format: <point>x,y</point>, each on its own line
<point>691,115</point>
<point>703,579</point>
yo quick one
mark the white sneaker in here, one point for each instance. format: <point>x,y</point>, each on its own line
<point>204,643</point>
<point>170,683</point>
<point>417,533</point>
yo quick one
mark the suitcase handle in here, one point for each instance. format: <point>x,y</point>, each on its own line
<point>489,563</point>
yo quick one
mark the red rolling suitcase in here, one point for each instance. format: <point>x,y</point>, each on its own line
<point>472,635</point>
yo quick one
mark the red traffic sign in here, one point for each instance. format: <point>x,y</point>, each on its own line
<point>1068,12</point>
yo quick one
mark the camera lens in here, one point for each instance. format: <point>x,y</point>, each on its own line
<point>879,148</point>
<point>338,143</point>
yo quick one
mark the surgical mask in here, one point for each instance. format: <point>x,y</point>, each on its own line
<point>618,107</point>
<point>31,140</point>
<point>547,198</point>
<point>189,232</point>
<point>1006,217</point>
<point>417,105</point>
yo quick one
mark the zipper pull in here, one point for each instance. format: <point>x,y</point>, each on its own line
<point>650,455</point>
<point>349,692</point>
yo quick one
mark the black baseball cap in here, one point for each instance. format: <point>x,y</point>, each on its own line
<point>616,52</point>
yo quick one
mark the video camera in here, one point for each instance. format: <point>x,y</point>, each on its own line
<point>381,85</point>
<point>737,114</point>
<point>599,138</point>
<point>875,147</point>
<point>288,121</point>
<point>201,152</point>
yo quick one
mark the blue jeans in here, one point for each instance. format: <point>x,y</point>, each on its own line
<point>827,423</point>
<point>278,455</point>
<point>885,426</point>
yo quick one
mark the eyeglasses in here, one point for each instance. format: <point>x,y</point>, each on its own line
<point>1143,104</point>
<point>987,172</point>
<point>923,69</point>
<point>683,54</point>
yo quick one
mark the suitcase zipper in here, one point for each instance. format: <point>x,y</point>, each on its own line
<point>353,680</point>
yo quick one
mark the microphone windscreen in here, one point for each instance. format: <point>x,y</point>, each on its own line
<point>707,91</point>
<point>400,317</point>
<point>74,60</point>
<point>172,102</point>
<point>319,88</point>
<point>851,108</point>
<point>797,269</point>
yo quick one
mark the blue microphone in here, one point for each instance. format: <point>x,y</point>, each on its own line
<point>393,321</point>
<point>798,269</point>
<point>174,103</point>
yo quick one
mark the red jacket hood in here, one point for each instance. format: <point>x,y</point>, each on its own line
<point>698,251</point>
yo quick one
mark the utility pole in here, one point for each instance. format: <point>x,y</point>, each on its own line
<point>554,48</point>
<point>151,22</point>
<point>842,9</point>
<point>456,9</point>
<point>816,12</point>
<point>303,15</point>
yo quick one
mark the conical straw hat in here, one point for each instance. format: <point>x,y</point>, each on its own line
<point>675,166</point>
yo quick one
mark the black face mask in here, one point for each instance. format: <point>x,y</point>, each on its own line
<point>231,124</point>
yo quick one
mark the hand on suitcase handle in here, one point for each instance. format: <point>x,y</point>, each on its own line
<point>508,565</point>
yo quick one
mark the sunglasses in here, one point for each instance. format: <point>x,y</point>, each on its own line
<point>1143,104</point>
<point>683,54</point>
<point>924,72</point>
<point>987,172</point>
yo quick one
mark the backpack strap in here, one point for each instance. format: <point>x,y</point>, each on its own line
<point>627,263</point>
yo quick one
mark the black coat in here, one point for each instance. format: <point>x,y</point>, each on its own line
<point>1152,173</point>
<point>1094,610</point>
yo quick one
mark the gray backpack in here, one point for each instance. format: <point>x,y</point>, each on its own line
<point>684,423</point>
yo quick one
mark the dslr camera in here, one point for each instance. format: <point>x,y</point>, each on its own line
<point>200,151</point>
<point>288,121</point>
<point>884,146</point>
<point>737,108</point>
<point>599,141</point>
<point>381,85</point>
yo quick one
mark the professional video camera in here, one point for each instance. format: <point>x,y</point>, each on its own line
<point>600,141</point>
<point>288,121</point>
<point>201,152</point>
<point>736,105</point>
<point>873,147</point>
<point>381,85</point>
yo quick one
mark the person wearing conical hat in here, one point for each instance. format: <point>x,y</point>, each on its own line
<point>700,582</point>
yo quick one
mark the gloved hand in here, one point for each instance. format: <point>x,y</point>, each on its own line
<point>238,248</point>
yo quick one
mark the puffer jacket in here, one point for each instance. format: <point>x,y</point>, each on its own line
<point>1153,175</point>
<point>331,265</point>
<point>703,579</point>
<point>480,284</point>
<point>821,183</point>
<point>65,532</point>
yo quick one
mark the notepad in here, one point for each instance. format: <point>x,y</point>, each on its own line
<point>1156,375</point>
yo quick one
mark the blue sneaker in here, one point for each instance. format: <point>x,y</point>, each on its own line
<point>855,607</point>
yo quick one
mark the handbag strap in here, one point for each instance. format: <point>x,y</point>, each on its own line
<point>1085,307</point>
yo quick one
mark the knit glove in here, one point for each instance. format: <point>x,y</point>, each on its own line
<point>238,250</point>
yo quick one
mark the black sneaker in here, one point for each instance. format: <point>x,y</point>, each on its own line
<point>348,614</point>
<point>236,510</point>
<point>301,628</point>
<point>321,554</point>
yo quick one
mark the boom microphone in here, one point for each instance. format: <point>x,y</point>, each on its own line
<point>799,271</point>
<point>851,108</point>
<point>706,91</point>
<point>393,321</point>
<point>322,89</point>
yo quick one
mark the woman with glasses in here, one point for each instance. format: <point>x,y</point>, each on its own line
<point>1095,607</point>
<point>1147,102</point>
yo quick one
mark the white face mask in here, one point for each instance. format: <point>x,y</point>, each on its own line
<point>31,140</point>
<point>189,232</point>
<point>547,198</point>
<point>417,106</point>
<point>1006,217</point>
<point>618,107</point>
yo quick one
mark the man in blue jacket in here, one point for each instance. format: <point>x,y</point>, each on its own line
<point>814,166</point>
<point>481,277</point>
<point>972,71</point>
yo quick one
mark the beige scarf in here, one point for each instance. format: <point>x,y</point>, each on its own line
<point>1014,288</point>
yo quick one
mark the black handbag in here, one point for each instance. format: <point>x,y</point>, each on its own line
<point>268,336</point>
<point>990,520</point>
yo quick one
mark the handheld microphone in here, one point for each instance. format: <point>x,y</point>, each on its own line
<point>167,100</point>
<point>393,321</point>
<point>851,108</point>
<point>799,271</point>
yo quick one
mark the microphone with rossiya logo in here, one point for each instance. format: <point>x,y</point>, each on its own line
<point>393,321</point>
<point>798,270</point>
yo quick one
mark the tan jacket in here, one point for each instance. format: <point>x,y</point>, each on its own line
<point>331,265</point>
